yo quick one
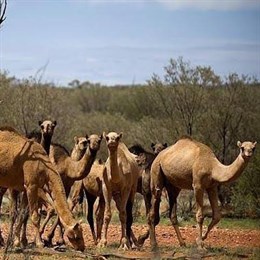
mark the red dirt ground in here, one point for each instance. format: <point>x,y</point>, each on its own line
<point>218,238</point>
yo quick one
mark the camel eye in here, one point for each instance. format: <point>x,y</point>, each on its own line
<point>42,127</point>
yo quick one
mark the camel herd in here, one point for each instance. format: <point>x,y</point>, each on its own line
<point>45,174</point>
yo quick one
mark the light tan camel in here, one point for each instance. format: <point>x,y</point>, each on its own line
<point>71,170</point>
<point>189,164</point>
<point>44,138</point>
<point>24,166</point>
<point>91,187</point>
<point>119,182</point>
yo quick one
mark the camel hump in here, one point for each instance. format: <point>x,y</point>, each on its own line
<point>9,129</point>
<point>136,149</point>
<point>186,137</point>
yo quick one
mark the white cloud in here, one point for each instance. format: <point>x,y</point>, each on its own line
<point>211,4</point>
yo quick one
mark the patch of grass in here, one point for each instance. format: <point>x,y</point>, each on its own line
<point>234,223</point>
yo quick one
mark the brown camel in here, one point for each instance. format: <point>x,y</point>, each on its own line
<point>24,166</point>
<point>71,170</point>
<point>44,138</point>
<point>119,182</point>
<point>189,164</point>
<point>144,159</point>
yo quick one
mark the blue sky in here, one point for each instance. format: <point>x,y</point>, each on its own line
<point>125,42</point>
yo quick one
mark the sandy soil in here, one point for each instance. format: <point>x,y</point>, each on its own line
<point>228,239</point>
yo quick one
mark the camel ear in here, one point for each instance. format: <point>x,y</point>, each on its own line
<point>255,143</point>
<point>152,145</point>
<point>54,123</point>
<point>39,122</point>
<point>76,140</point>
<point>239,144</point>
<point>165,145</point>
<point>101,136</point>
<point>104,135</point>
<point>120,135</point>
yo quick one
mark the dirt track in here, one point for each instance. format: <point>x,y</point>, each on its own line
<point>218,238</point>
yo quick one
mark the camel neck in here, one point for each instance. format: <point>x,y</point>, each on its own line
<point>229,173</point>
<point>80,169</point>
<point>113,164</point>
<point>46,142</point>
<point>59,196</point>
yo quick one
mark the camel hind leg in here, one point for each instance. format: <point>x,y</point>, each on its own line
<point>157,184</point>
<point>91,200</point>
<point>173,193</point>
<point>100,217</point>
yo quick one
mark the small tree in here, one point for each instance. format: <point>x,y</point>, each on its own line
<point>3,6</point>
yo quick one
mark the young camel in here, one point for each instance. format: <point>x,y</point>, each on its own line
<point>91,187</point>
<point>44,138</point>
<point>71,170</point>
<point>119,182</point>
<point>189,164</point>
<point>24,166</point>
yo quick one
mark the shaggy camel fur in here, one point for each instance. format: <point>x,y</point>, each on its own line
<point>119,182</point>
<point>144,159</point>
<point>189,164</point>
<point>70,170</point>
<point>44,138</point>
<point>24,166</point>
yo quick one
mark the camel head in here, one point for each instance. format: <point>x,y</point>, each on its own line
<point>81,143</point>
<point>246,148</point>
<point>158,147</point>
<point>94,141</point>
<point>47,127</point>
<point>112,139</point>
<point>75,236</point>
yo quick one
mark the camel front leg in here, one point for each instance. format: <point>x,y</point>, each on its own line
<point>216,214</point>
<point>121,206</point>
<point>199,192</point>
<point>107,215</point>
<point>100,217</point>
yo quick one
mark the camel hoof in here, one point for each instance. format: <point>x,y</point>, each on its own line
<point>125,245</point>
<point>102,243</point>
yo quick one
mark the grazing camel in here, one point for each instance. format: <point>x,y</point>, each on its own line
<point>44,138</point>
<point>71,170</point>
<point>119,182</point>
<point>189,164</point>
<point>24,166</point>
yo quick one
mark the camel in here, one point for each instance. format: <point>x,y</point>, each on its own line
<point>144,159</point>
<point>71,170</point>
<point>44,138</point>
<point>25,166</point>
<point>119,181</point>
<point>189,164</point>
<point>91,186</point>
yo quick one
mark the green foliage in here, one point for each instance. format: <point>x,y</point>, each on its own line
<point>246,191</point>
<point>186,100</point>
